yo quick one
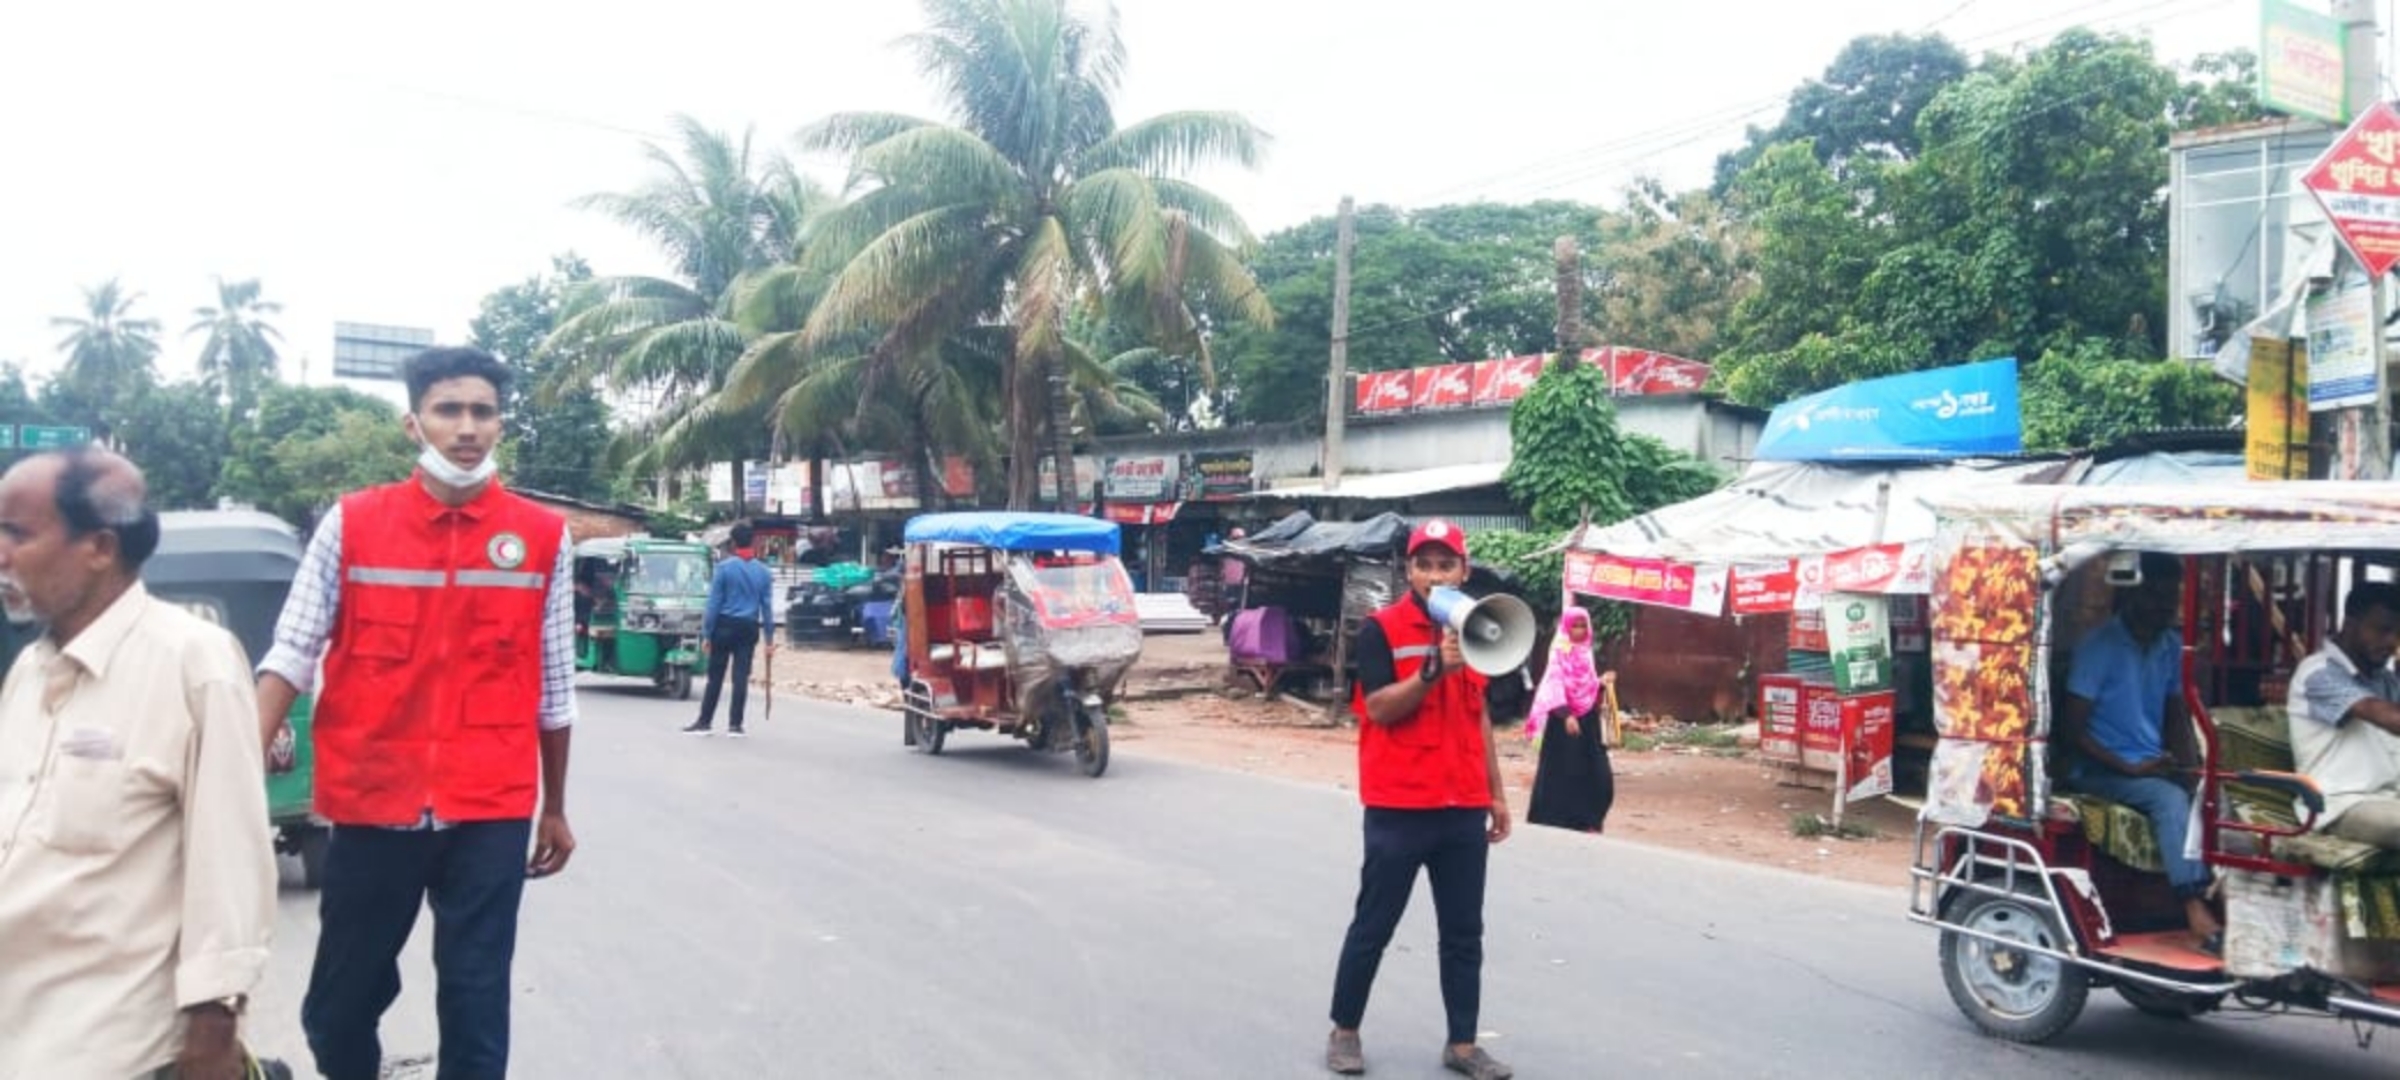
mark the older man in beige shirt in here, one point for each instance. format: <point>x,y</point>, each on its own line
<point>137,876</point>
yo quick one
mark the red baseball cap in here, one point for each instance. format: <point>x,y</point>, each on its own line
<point>1438,531</point>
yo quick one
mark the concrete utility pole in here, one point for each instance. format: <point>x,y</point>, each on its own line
<point>1337,380</point>
<point>2364,434</point>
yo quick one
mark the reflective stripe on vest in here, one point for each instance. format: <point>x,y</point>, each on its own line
<point>435,579</point>
<point>1413,652</point>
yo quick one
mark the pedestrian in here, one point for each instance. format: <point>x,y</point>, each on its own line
<point>1430,782</point>
<point>137,875</point>
<point>1573,784</point>
<point>443,611</point>
<point>741,607</point>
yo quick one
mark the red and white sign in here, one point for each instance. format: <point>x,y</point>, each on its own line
<point>1385,391</point>
<point>1764,589</point>
<point>1880,568</point>
<point>1640,371</point>
<point>1867,739</point>
<point>1643,371</point>
<point>1779,701</point>
<point>1498,382</point>
<point>1658,582</point>
<point>1137,513</point>
<point>2357,181</point>
<point>1445,386</point>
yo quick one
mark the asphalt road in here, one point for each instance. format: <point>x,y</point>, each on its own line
<point>818,901</point>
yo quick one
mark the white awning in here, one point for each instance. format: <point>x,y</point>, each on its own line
<point>1395,485</point>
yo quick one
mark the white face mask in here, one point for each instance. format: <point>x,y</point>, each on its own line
<point>448,473</point>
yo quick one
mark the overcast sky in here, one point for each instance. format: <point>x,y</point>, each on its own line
<point>394,167</point>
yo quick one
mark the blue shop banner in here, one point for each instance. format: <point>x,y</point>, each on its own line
<point>1954,412</point>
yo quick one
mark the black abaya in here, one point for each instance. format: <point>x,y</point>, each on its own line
<point>1573,784</point>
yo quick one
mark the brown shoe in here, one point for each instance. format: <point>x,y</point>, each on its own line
<point>1476,1064</point>
<point>1343,1055</point>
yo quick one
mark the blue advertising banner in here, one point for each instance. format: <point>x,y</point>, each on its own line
<point>1964,411</point>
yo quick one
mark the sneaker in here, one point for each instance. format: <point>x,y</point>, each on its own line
<point>698,728</point>
<point>736,733</point>
<point>1476,1064</point>
<point>1343,1055</point>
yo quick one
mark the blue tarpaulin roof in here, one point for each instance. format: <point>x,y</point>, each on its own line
<point>1938,415</point>
<point>1016,532</point>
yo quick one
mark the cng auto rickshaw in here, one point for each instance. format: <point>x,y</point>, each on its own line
<point>2041,894</point>
<point>234,568</point>
<point>1019,623</point>
<point>639,603</point>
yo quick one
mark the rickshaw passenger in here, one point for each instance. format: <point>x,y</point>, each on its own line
<point>2122,707</point>
<point>2345,724</point>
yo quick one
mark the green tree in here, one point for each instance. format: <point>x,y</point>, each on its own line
<point>237,359</point>
<point>109,354</point>
<point>2029,216</point>
<point>2081,398</point>
<point>1034,204</point>
<point>1668,271</point>
<point>1449,284</point>
<point>177,434</point>
<point>1567,456</point>
<point>306,446</point>
<point>1864,107</point>
<point>557,428</point>
<point>721,213</point>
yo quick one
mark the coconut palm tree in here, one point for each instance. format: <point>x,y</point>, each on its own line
<point>1033,204</point>
<point>721,214</point>
<point>109,350</point>
<point>238,356</point>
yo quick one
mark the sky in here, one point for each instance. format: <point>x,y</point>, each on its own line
<point>393,167</point>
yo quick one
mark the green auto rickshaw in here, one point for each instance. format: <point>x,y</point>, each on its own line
<point>234,568</point>
<point>638,607</point>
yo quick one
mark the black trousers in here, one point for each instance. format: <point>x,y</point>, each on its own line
<point>1453,849</point>
<point>734,642</point>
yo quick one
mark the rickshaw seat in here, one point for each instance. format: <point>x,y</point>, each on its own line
<point>940,654</point>
<point>985,656</point>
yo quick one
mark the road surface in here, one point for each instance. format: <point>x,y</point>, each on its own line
<point>818,901</point>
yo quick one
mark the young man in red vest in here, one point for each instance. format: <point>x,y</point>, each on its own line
<point>1431,784</point>
<point>443,610</point>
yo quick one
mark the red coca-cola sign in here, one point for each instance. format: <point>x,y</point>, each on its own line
<point>1498,382</point>
<point>1641,371</point>
<point>1386,391</point>
<point>1445,386</point>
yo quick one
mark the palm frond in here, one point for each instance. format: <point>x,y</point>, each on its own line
<point>1178,142</point>
<point>1115,214</point>
<point>850,132</point>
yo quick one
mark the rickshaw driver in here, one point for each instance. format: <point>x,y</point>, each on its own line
<point>2345,725</point>
<point>2123,707</point>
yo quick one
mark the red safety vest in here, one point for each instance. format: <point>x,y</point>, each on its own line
<point>433,683</point>
<point>1434,759</point>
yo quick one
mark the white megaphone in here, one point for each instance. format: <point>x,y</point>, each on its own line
<point>1495,633</point>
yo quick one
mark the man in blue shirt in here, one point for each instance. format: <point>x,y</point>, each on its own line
<point>741,605</point>
<point>2123,718</point>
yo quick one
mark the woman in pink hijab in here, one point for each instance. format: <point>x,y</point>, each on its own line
<point>1573,785</point>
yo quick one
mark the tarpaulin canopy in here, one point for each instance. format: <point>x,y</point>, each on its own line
<point>1783,510</point>
<point>1299,536</point>
<point>1016,531</point>
<point>2182,520</point>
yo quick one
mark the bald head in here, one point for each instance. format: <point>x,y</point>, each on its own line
<point>96,490</point>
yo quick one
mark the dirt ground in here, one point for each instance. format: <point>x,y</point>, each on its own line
<point>1711,801</point>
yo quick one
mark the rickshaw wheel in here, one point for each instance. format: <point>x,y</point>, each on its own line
<point>679,684</point>
<point>2009,992</point>
<point>930,731</point>
<point>2167,1004</point>
<point>1091,745</point>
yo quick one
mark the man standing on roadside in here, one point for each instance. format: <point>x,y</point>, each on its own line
<point>137,876</point>
<point>741,606</point>
<point>443,609</point>
<point>1430,780</point>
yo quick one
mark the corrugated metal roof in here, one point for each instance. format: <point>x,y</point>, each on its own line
<point>1395,485</point>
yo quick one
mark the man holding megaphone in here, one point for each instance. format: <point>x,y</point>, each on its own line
<point>1430,781</point>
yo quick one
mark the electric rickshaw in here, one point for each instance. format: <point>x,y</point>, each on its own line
<point>2042,894</point>
<point>639,603</point>
<point>234,568</point>
<point>1020,623</point>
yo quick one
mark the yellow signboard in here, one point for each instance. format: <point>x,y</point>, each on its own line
<point>2278,410</point>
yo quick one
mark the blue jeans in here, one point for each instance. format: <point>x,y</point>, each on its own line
<point>2169,808</point>
<point>1452,847</point>
<point>375,880</point>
